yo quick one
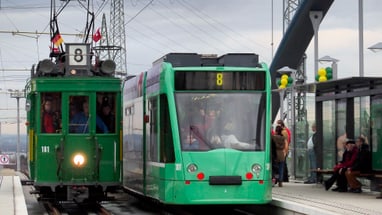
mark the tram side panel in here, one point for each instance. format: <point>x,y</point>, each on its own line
<point>133,131</point>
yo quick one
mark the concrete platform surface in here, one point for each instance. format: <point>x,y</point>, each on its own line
<point>11,194</point>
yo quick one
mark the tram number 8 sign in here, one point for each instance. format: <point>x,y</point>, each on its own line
<point>78,54</point>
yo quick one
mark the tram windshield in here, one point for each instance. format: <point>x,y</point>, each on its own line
<point>221,120</point>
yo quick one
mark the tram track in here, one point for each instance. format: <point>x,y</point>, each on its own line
<point>51,209</point>
<point>57,208</point>
<point>210,209</point>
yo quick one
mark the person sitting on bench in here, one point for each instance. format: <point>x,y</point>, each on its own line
<point>362,164</point>
<point>339,170</point>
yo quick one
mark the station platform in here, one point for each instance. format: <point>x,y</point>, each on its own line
<point>301,198</point>
<point>11,193</point>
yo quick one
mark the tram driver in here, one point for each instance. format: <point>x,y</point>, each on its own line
<point>80,121</point>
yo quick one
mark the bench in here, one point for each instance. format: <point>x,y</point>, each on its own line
<point>321,172</point>
<point>380,185</point>
<point>369,176</point>
<point>362,175</point>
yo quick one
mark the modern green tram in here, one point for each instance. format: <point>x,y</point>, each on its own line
<point>75,150</point>
<point>196,130</point>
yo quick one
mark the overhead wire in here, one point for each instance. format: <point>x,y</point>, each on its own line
<point>139,12</point>
<point>185,29</point>
<point>197,13</point>
<point>213,23</point>
<point>188,20</point>
<point>101,7</point>
<point>159,42</point>
<point>156,33</point>
<point>203,17</point>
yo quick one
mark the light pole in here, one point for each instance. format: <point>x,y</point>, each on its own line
<point>17,94</point>
<point>334,64</point>
<point>315,18</point>
<point>376,47</point>
<point>291,100</point>
<point>360,37</point>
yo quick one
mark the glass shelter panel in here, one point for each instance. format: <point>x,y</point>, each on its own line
<point>341,127</point>
<point>362,117</point>
<point>329,139</point>
<point>302,134</point>
<point>376,132</point>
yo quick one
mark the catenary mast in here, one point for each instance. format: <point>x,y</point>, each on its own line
<point>118,36</point>
<point>296,100</point>
<point>290,7</point>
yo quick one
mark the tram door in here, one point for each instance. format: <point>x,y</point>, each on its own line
<point>80,144</point>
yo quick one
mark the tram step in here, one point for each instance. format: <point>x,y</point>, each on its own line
<point>27,182</point>
<point>34,192</point>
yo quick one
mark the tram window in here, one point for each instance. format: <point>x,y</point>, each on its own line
<point>106,104</point>
<point>51,113</point>
<point>78,114</point>
<point>153,128</point>
<point>167,154</point>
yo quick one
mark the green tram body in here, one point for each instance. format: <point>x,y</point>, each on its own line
<point>158,106</point>
<point>52,165</point>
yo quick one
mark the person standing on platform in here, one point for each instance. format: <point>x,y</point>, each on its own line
<point>286,133</point>
<point>314,155</point>
<point>281,144</point>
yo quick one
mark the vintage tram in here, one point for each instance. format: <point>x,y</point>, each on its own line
<point>74,126</point>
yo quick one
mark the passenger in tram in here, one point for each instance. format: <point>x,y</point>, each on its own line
<point>49,118</point>
<point>189,142</point>
<point>362,164</point>
<point>349,157</point>
<point>212,119</point>
<point>202,125</point>
<point>80,121</point>
<point>232,135</point>
<point>213,129</point>
<point>108,116</point>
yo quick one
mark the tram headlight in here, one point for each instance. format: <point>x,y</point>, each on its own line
<point>73,72</point>
<point>107,67</point>
<point>79,160</point>
<point>256,168</point>
<point>45,67</point>
<point>192,168</point>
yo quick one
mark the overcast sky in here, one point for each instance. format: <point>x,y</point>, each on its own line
<point>199,26</point>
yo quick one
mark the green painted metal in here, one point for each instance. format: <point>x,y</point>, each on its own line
<point>169,181</point>
<point>51,155</point>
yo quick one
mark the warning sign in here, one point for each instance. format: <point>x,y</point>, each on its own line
<point>4,159</point>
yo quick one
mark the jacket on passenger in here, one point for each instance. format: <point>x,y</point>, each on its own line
<point>363,160</point>
<point>348,159</point>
